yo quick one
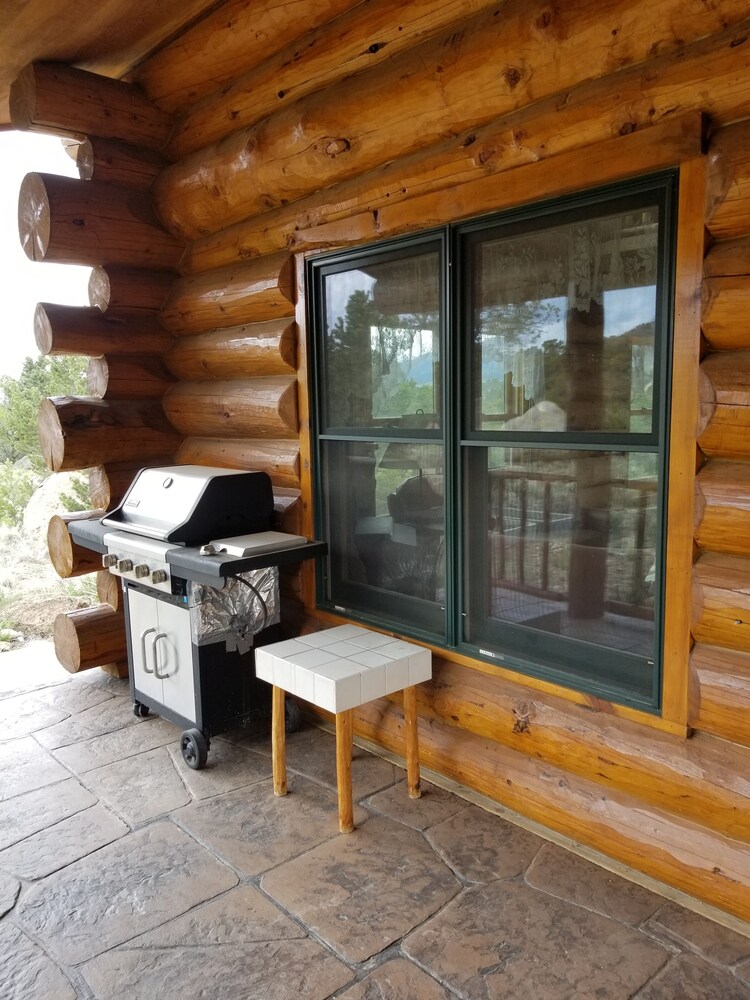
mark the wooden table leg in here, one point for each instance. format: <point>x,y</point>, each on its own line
<point>412,743</point>
<point>278,741</point>
<point>344,730</point>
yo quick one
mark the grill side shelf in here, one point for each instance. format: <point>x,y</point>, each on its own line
<point>190,564</point>
<point>89,534</point>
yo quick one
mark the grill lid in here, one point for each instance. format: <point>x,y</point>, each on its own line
<point>190,504</point>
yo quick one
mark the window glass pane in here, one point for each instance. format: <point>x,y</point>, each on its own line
<point>563,325</point>
<point>565,543</point>
<point>381,347</point>
<point>386,529</point>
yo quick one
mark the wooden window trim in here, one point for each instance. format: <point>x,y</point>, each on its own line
<point>675,143</point>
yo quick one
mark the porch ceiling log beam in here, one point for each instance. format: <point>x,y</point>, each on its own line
<point>129,377</point>
<point>280,459</point>
<point>247,292</point>
<point>108,483</point>
<point>90,637</point>
<point>721,601</point>
<point>657,767</point>
<point>728,182</point>
<point>720,693</point>
<point>722,507</point>
<point>110,161</point>
<point>252,349</point>
<point>418,99</point>
<point>726,307</point>
<point>77,432</point>
<point>67,221</point>
<point>53,97</point>
<point>67,556</point>
<point>128,288</point>
<point>109,589</point>
<point>724,391</point>
<point>671,849</point>
<point>362,38</point>
<point>728,257</point>
<point>239,33</point>
<point>88,331</point>
<point>234,408</point>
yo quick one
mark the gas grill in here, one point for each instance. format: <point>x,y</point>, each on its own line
<point>199,564</point>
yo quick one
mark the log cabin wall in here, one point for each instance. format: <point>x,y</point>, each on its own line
<point>358,125</point>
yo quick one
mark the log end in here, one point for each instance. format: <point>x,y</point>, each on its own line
<point>99,288</point>
<point>22,99</point>
<point>60,546</point>
<point>34,217</point>
<point>51,436</point>
<point>42,329</point>
<point>67,647</point>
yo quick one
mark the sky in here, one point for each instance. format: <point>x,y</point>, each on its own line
<point>24,282</point>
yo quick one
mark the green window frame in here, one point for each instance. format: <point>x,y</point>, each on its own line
<point>489,421</point>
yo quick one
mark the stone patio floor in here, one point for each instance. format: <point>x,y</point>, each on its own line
<point>124,874</point>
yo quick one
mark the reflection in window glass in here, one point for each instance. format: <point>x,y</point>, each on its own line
<point>564,326</point>
<point>382,344</point>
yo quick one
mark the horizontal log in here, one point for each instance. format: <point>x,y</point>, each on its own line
<point>248,292</point>
<point>722,507</point>
<point>52,97</point>
<point>239,408</point>
<point>109,589</point>
<point>224,42</point>
<point>728,182</point>
<point>128,288</point>
<point>128,377</point>
<point>724,393</point>
<point>358,41</point>
<point>61,330</point>
<point>721,601</point>
<point>67,556</point>
<point>673,850</point>
<point>67,221</point>
<point>77,432</point>
<point>287,510</point>
<point>726,307</point>
<point>728,257</point>
<point>253,349</point>
<point>90,637</point>
<point>720,693</point>
<point>280,459</point>
<point>109,483</point>
<point>110,161</point>
<point>372,119</point>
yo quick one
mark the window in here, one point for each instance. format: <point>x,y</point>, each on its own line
<point>490,423</point>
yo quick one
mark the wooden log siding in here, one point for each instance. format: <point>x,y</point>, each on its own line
<point>128,288</point>
<point>258,408</point>
<point>90,637</point>
<point>109,589</point>
<point>79,432</point>
<point>109,483</point>
<point>67,221</point>
<point>722,507</point>
<point>728,183</point>
<point>88,331</point>
<point>252,349</point>
<point>358,41</point>
<point>51,97</point>
<point>724,423</point>
<point>128,377</point>
<point>728,257</point>
<point>720,693</point>
<point>238,33</point>
<point>721,601</point>
<point>110,161</point>
<point>67,556</point>
<point>279,458</point>
<point>726,312</point>
<point>321,139</point>
<point>255,291</point>
<point>671,849</point>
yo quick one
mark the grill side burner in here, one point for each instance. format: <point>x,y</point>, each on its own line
<point>177,540</point>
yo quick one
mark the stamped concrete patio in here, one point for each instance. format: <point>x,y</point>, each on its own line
<point>124,874</point>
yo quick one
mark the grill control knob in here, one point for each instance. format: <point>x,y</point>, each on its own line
<point>141,570</point>
<point>159,576</point>
<point>110,559</point>
<point>125,565</point>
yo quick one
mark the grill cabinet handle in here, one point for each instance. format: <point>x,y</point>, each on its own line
<point>143,650</point>
<point>154,641</point>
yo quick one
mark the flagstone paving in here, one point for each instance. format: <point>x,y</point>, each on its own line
<point>125,875</point>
